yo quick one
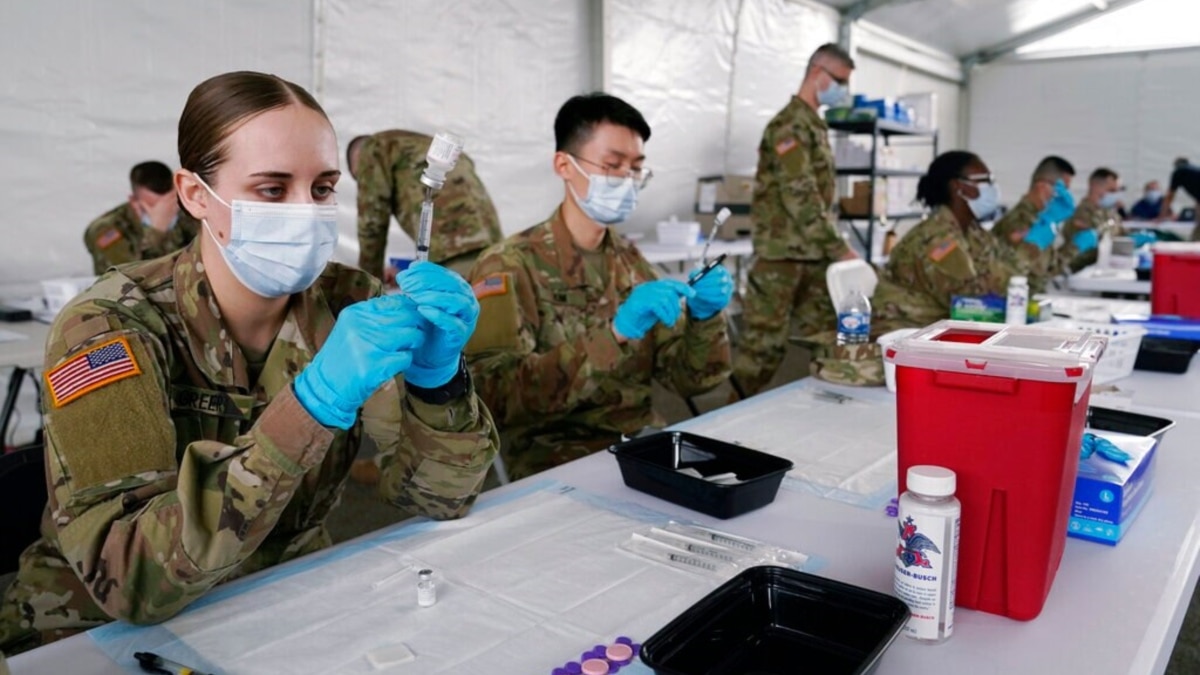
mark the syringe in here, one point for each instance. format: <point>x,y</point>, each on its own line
<point>440,160</point>
<point>718,221</point>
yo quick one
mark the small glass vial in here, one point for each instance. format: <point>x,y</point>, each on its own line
<point>927,552</point>
<point>426,588</point>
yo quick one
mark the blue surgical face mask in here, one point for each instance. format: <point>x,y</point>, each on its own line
<point>987,203</point>
<point>277,249</point>
<point>1109,200</point>
<point>833,95</point>
<point>150,223</point>
<point>1154,195</point>
<point>606,204</point>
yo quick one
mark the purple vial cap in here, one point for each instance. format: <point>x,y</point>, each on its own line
<point>573,668</point>
<point>559,671</point>
<point>625,641</point>
<point>613,667</point>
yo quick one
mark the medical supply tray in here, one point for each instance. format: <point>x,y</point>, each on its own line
<point>652,464</point>
<point>774,620</point>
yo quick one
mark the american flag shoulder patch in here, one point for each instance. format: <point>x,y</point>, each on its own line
<point>785,146</point>
<point>943,249</point>
<point>493,284</point>
<point>90,370</point>
<point>109,238</point>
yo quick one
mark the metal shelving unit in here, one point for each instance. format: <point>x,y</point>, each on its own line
<point>885,131</point>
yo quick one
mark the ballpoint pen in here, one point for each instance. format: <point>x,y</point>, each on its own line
<point>708,267</point>
<point>153,663</point>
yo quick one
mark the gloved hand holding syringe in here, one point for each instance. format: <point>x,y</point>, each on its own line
<point>440,160</point>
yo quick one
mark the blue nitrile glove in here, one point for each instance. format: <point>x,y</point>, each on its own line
<point>651,302</point>
<point>1093,444</point>
<point>713,292</point>
<point>1042,233</point>
<point>1085,240</point>
<point>1143,237</point>
<point>1061,205</point>
<point>446,300</point>
<point>372,342</point>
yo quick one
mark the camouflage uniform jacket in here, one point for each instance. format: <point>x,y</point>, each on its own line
<point>166,481</point>
<point>1036,264</point>
<point>792,208</point>
<point>546,361</point>
<point>933,262</point>
<point>389,172</point>
<point>1088,215</point>
<point>119,237</point>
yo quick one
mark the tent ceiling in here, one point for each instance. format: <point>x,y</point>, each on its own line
<point>965,27</point>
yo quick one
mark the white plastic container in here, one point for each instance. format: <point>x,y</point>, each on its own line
<point>676,232</point>
<point>926,562</point>
<point>1016,309</point>
<point>1124,340</point>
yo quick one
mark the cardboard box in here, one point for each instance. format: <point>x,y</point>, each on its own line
<point>1109,495</point>
<point>990,308</point>
<point>858,205</point>
<point>735,193</point>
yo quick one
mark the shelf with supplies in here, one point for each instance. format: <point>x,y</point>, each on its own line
<point>864,203</point>
<point>881,172</point>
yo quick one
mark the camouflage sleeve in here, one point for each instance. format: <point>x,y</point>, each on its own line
<point>434,457</point>
<point>1011,228</point>
<point>109,246</point>
<point>519,383</point>
<point>800,193</point>
<point>694,356</point>
<point>148,533</point>
<point>156,243</point>
<point>375,201</point>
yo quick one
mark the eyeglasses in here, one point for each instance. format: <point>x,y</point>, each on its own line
<point>840,80</point>
<point>978,178</point>
<point>614,176</point>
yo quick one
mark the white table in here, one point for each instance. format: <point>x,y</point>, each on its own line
<point>659,253</point>
<point>1095,280</point>
<point>1111,610</point>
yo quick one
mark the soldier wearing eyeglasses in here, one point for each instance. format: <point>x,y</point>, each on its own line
<point>575,326</point>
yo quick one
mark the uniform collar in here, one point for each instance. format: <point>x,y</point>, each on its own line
<point>569,258</point>
<point>307,324</point>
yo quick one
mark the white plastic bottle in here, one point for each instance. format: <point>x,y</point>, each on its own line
<point>927,552</point>
<point>426,589</point>
<point>1016,308</point>
<point>854,318</point>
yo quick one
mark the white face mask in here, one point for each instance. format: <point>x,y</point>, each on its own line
<point>606,204</point>
<point>987,203</point>
<point>277,249</point>
<point>833,95</point>
<point>1109,200</point>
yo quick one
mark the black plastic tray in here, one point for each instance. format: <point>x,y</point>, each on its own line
<point>776,621</point>
<point>1165,355</point>
<point>1123,421</point>
<point>650,464</point>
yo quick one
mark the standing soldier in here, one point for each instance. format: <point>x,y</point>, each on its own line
<point>574,324</point>
<point>795,237</point>
<point>387,167</point>
<point>148,225</point>
<point>1095,216</point>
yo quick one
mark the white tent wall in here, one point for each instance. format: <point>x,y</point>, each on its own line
<point>92,88</point>
<point>1132,113</point>
<point>495,73</point>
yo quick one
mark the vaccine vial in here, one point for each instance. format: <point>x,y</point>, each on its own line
<point>426,588</point>
<point>440,159</point>
<point>927,552</point>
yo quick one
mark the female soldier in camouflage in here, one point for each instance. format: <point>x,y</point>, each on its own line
<point>946,254</point>
<point>202,409</point>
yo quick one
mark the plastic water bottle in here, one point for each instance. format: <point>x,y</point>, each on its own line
<point>1016,309</point>
<point>927,552</point>
<point>854,319</point>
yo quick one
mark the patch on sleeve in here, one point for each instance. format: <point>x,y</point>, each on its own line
<point>943,249</point>
<point>108,238</point>
<point>493,284</point>
<point>785,146</point>
<point>88,371</point>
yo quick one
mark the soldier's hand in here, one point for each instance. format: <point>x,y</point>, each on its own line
<point>650,303</point>
<point>449,306</point>
<point>713,292</point>
<point>389,276</point>
<point>163,212</point>
<point>372,342</point>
